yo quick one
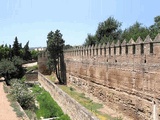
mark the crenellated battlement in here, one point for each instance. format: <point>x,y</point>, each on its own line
<point>138,47</point>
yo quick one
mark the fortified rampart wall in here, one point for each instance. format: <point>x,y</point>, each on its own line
<point>125,76</point>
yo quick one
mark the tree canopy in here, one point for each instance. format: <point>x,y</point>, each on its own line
<point>110,30</point>
<point>16,47</point>
<point>135,31</point>
<point>26,53</point>
<point>155,28</point>
<point>107,31</point>
<point>55,44</point>
<point>12,58</point>
<point>11,68</point>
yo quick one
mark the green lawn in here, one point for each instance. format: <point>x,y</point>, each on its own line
<point>87,103</point>
<point>35,67</point>
<point>48,108</point>
<point>51,77</point>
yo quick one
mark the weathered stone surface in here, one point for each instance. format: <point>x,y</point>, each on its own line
<point>127,81</point>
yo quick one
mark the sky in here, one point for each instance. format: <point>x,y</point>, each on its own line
<point>32,20</point>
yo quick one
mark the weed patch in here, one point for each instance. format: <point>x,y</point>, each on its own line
<point>51,77</point>
<point>35,67</point>
<point>48,108</point>
<point>87,103</point>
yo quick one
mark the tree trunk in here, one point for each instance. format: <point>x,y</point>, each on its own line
<point>63,69</point>
<point>58,73</point>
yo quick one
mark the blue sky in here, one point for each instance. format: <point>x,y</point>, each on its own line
<point>33,19</point>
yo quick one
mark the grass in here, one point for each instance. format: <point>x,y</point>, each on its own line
<point>82,99</point>
<point>48,108</point>
<point>87,103</point>
<point>51,77</point>
<point>35,67</point>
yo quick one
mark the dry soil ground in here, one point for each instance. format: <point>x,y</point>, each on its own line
<point>6,111</point>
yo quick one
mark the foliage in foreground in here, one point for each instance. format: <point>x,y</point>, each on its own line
<point>48,108</point>
<point>11,68</point>
<point>22,94</point>
<point>13,102</point>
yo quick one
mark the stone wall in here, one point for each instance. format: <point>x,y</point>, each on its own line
<point>68,105</point>
<point>125,76</point>
<point>32,76</point>
<point>42,63</point>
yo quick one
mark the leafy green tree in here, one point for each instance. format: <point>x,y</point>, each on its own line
<point>5,52</point>
<point>155,28</point>
<point>107,31</point>
<point>134,32</point>
<point>67,46</point>
<point>20,71</point>
<point>16,47</point>
<point>2,52</point>
<point>7,68</point>
<point>34,54</point>
<point>26,53</point>
<point>10,52</point>
<point>11,69</point>
<point>55,44</point>
<point>90,40</point>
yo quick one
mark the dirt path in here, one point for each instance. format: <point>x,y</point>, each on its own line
<point>30,64</point>
<point>6,111</point>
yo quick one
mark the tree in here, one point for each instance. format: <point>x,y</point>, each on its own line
<point>7,68</point>
<point>34,54</point>
<point>107,31</point>
<point>16,47</point>
<point>5,52</point>
<point>2,52</point>
<point>68,46</point>
<point>10,55</point>
<point>19,73</point>
<point>26,52</point>
<point>135,31</point>
<point>90,40</point>
<point>155,28</point>
<point>11,68</point>
<point>55,44</point>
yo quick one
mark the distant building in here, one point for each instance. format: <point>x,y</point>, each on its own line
<point>38,48</point>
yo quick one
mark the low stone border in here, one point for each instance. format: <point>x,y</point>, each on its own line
<point>68,104</point>
<point>25,117</point>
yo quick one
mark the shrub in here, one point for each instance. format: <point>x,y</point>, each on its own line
<point>22,94</point>
<point>71,89</point>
